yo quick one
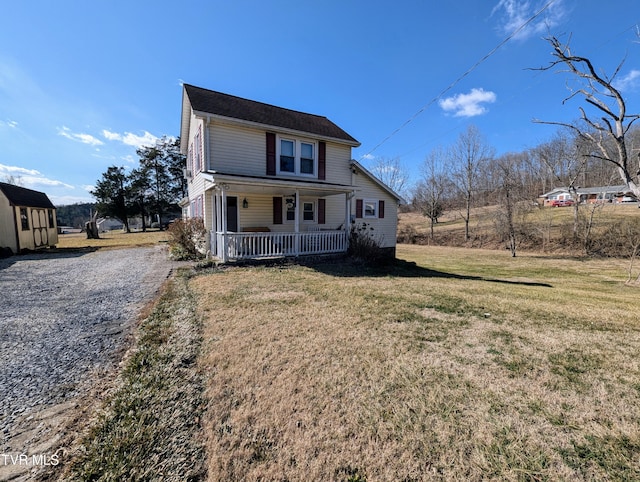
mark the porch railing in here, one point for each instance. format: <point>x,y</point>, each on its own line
<point>235,246</point>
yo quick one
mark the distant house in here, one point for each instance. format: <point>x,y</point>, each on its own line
<point>109,224</point>
<point>270,181</point>
<point>27,219</point>
<point>590,195</point>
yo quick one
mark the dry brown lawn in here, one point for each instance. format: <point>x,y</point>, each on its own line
<point>544,226</point>
<point>453,365</point>
<point>112,239</point>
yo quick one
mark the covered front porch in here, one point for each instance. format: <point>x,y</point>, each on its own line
<point>258,245</point>
<point>258,218</point>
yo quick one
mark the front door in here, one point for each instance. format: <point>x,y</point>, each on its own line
<point>232,214</point>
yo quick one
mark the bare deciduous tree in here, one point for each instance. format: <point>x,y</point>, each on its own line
<point>392,173</point>
<point>610,123</point>
<point>508,176</point>
<point>467,156</point>
<point>430,192</point>
<point>10,179</point>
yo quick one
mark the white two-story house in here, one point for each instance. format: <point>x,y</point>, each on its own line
<point>270,181</point>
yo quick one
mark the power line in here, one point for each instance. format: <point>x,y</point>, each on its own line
<point>455,82</point>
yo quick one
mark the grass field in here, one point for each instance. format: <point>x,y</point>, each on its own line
<point>112,239</point>
<point>453,365</point>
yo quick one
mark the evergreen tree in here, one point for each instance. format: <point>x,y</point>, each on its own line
<point>113,195</point>
<point>163,165</point>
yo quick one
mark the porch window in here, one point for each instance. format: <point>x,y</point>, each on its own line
<point>287,156</point>
<point>291,211</point>
<point>24,219</point>
<point>370,208</point>
<point>308,211</point>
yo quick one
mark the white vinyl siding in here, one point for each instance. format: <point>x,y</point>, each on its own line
<point>335,212</point>
<point>337,164</point>
<point>385,228</point>
<point>237,150</point>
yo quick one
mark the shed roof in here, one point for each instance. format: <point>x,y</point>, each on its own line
<point>21,196</point>
<point>217,103</point>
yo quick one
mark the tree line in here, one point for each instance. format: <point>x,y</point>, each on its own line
<point>151,191</point>
<point>601,148</point>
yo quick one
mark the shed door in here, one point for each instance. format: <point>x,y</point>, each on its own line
<point>39,221</point>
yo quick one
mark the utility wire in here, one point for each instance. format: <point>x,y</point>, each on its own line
<point>453,84</point>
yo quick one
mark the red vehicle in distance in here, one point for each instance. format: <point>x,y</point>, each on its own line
<point>558,203</point>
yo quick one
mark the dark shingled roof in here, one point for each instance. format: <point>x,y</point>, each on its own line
<point>209,101</point>
<point>21,196</point>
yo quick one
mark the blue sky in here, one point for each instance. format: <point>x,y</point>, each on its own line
<point>83,84</point>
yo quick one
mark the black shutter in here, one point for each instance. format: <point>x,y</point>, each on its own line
<point>322,160</point>
<point>271,154</point>
<point>359,208</point>
<point>277,210</point>
<point>322,208</point>
<point>381,209</point>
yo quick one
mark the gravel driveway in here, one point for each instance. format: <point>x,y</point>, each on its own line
<point>64,317</point>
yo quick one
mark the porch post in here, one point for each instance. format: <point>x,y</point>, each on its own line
<point>347,216</point>
<point>297,222</point>
<point>223,219</point>
<point>213,243</point>
<point>218,211</point>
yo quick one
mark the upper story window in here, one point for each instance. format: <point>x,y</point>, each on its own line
<point>287,156</point>
<point>297,157</point>
<point>307,158</point>
<point>197,147</point>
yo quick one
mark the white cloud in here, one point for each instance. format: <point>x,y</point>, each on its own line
<point>68,200</point>
<point>629,81</point>
<point>111,136</point>
<point>30,177</point>
<point>43,181</point>
<point>17,171</point>
<point>130,139</point>
<point>513,14</point>
<point>84,138</point>
<point>468,105</point>
<point>9,123</point>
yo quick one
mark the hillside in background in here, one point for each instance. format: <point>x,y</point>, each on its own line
<point>601,230</point>
<point>74,215</point>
